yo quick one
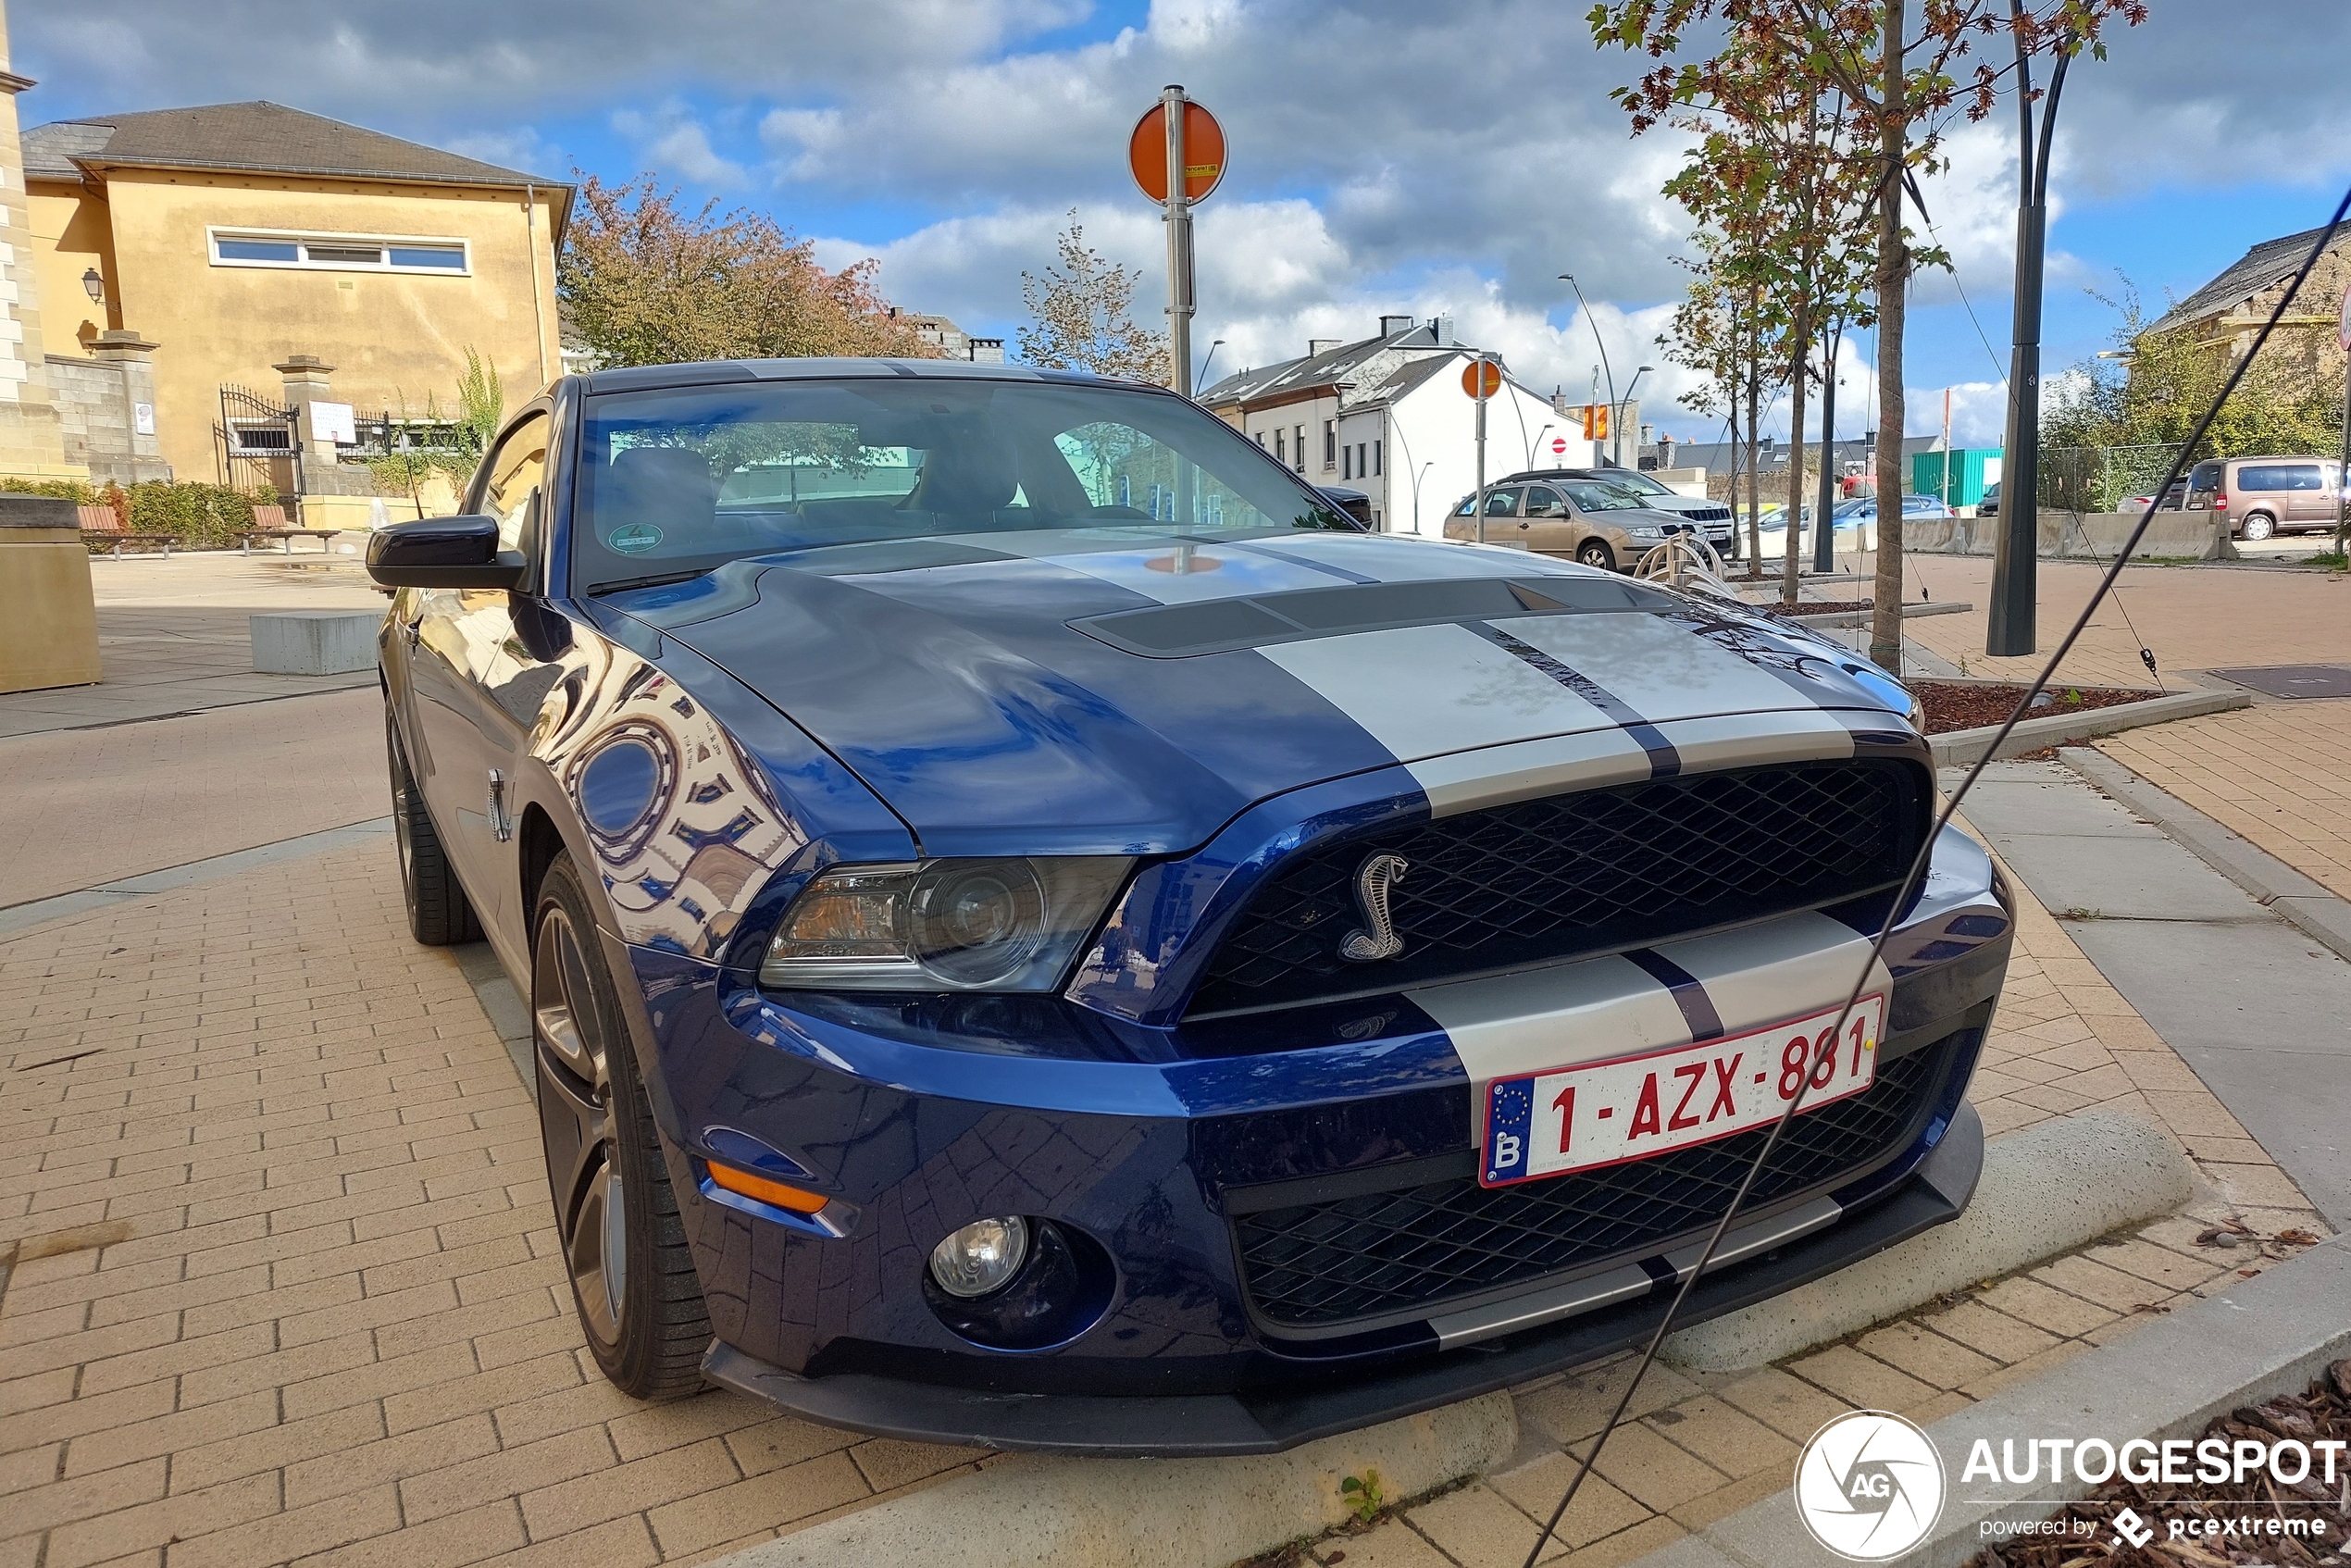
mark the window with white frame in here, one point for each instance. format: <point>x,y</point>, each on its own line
<point>338,253</point>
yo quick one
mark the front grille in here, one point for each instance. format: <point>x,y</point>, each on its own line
<point>1411,1250</point>
<point>1544,879</point>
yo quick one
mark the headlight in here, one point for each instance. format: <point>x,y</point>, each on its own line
<point>981,1257</point>
<point>1652,534</point>
<point>942,924</point>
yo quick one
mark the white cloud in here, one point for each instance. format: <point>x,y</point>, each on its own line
<point>672,141</point>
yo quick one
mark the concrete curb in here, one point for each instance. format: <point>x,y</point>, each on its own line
<point>2265,1337</point>
<point>1959,748</point>
<point>1039,1512</point>
<point>2308,904</point>
<point>171,879</point>
<point>2044,1191</point>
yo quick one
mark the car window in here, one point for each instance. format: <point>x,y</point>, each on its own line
<point>676,481</point>
<point>2280,475</point>
<point>1542,501</point>
<point>1501,503</point>
<point>2205,475</point>
<point>1597,495</point>
<point>1638,482</point>
<point>515,473</point>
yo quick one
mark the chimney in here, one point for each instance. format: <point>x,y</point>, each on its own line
<point>1441,329</point>
<point>1391,325</point>
<point>1321,346</point>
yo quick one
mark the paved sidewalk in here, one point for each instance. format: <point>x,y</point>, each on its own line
<point>2194,618</point>
<point>2277,773</point>
<point>287,1290</point>
<point>174,636</point>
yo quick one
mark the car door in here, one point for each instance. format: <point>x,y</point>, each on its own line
<point>1547,524</point>
<point>1502,518</point>
<point>2307,500</point>
<point>478,685</point>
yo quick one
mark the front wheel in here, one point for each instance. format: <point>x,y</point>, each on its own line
<point>632,1272</point>
<point>439,913</point>
<point>1595,552</point>
<point>2259,525</point>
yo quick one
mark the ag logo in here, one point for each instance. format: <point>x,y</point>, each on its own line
<point>1869,1485</point>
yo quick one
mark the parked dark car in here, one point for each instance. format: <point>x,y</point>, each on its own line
<point>1990,506</point>
<point>1039,932</point>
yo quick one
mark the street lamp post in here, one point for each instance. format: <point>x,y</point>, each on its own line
<point>1569,279</point>
<point>1623,412</point>
<point>1416,492</point>
<point>2015,564</point>
<point>1208,361</point>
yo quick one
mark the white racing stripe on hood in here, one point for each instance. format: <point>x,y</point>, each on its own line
<point>1425,690</point>
<point>1542,1018</point>
<point>1659,669</point>
<point>1783,968</point>
<point>1160,568</point>
<point>1555,764</point>
<point>1598,1009</point>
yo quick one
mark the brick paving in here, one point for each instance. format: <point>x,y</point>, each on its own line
<point>2194,618</point>
<point>284,1286</point>
<point>2277,773</point>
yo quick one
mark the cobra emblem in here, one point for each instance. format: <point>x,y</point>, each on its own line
<point>1377,939</point>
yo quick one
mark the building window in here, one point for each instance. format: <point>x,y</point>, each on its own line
<point>339,253</point>
<point>1330,443</point>
<point>1260,441</point>
<point>1375,468</point>
<point>1281,448</point>
<point>1347,453</point>
<point>1300,433</point>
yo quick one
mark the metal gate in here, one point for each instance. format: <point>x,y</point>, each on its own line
<point>256,440</point>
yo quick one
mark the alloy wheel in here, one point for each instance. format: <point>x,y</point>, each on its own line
<point>575,1085</point>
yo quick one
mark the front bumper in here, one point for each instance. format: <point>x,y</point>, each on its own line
<point>1150,1141</point>
<point>1267,1421</point>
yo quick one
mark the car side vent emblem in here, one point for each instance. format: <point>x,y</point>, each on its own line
<point>1377,939</point>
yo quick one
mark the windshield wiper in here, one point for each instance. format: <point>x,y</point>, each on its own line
<point>662,579</point>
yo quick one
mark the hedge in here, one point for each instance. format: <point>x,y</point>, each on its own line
<point>205,517</point>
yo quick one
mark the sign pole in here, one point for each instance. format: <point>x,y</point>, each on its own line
<point>1480,372</point>
<point>1179,247</point>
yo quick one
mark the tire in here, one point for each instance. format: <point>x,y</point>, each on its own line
<point>624,1245</point>
<point>439,913</point>
<point>2259,526</point>
<point>1595,552</point>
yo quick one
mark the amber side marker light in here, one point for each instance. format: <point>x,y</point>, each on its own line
<point>766,1191</point>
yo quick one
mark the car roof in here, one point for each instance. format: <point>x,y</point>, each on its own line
<point>716,372</point>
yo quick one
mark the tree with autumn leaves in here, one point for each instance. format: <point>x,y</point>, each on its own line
<point>644,282</point>
<point>1891,74</point>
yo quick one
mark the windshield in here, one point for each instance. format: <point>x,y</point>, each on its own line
<point>1639,484</point>
<point>1595,496</point>
<point>676,482</point>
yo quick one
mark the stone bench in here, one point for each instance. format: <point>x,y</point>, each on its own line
<point>315,641</point>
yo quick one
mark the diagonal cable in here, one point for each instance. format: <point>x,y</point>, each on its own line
<point>1917,872</point>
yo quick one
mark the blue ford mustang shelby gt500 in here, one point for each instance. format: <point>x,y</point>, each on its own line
<point>1039,932</point>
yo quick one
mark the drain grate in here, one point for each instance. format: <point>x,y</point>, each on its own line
<point>2294,680</point>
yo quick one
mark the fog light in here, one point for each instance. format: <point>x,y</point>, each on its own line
<point>981,1257</point>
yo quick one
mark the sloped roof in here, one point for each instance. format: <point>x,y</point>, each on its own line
<point>1408,377</point>
<point>1322,369</point>
<point>259,137</point>
<point>2271,261</point>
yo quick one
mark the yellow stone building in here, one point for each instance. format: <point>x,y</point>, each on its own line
<point>216,245</point>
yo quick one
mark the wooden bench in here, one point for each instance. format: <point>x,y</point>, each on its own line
<point>100,525</point>
<point>270,522</point>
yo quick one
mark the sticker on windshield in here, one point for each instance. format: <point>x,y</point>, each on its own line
<point>635,539</point>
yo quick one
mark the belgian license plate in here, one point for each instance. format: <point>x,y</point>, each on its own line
<point>1606,1112</point>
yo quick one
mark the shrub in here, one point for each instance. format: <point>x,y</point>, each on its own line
<point>205,517</point>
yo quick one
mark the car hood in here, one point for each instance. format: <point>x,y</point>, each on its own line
<point>1102,692</point>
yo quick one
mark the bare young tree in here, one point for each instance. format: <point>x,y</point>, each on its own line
<point>1082,315</point>
<point>645,283</point>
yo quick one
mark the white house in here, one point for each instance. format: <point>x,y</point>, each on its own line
<point>1387,416</point>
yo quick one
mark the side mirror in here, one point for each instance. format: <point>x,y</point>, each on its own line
<point>443,552</point>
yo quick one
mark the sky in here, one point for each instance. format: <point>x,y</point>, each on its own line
<point>1388,156</point>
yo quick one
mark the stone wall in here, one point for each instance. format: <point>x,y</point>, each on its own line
<point>2071,535</point>
<point>98,404</point>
